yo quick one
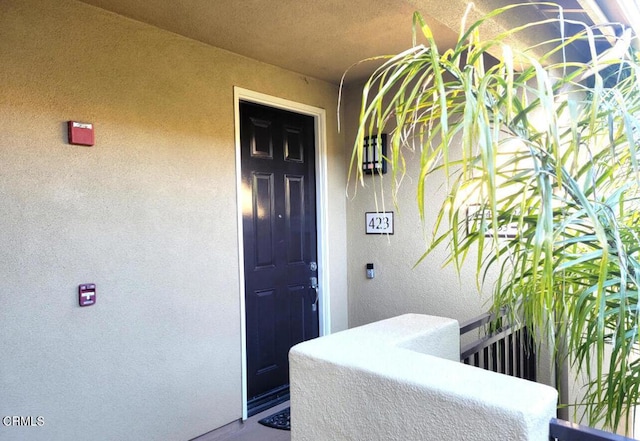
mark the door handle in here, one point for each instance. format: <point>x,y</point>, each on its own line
<point>314,286</point>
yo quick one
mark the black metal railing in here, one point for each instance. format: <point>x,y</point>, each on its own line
<point>509,349</point>
<point>500,346</point>
<point>560,430</point>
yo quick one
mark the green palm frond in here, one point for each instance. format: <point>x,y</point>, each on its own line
<point>550,148</point>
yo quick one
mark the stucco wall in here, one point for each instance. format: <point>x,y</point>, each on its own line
<point>400,379</point>
<point>148,214</point>
<point>398,287</point>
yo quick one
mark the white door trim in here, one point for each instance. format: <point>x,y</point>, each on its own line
<point>320,117</point>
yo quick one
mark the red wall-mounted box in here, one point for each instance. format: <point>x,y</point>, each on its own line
<point>81,133</point>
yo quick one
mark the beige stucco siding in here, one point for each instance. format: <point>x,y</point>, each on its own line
<point>400,287</point>
<point>149,214</point>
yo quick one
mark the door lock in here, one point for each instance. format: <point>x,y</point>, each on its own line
<point>313,266</point>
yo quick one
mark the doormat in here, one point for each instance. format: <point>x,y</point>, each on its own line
<point>279,420</point>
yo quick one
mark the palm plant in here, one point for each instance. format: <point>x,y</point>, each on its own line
<point>547,147</point>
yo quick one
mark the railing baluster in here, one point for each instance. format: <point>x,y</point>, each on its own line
<point>519,370</point>
<point>501,352</point>
<point>494,357</point>
<point>531,356</point>
<point>511,355</point>
<point>485,358</point>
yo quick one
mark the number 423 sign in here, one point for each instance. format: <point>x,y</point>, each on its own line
<point>379,223</point>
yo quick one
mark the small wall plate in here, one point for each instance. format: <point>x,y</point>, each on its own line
<point>87,294</point>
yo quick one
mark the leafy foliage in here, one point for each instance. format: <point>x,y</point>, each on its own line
<point>550,147</point>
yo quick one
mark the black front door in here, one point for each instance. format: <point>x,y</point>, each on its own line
<point>279,224</point>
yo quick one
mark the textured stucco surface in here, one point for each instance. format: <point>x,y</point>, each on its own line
<point>382,382</point>
<point>400,287</point>
<point>148,214</point>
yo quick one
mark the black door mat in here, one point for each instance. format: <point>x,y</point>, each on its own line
<point>279,420</point>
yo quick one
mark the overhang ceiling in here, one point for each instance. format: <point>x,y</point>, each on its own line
<point>318,38</point>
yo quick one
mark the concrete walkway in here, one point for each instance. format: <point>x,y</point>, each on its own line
<point>250,430</point>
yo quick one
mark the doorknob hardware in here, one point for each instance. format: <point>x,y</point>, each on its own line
<point>314,286</point>
<point>313,266</point>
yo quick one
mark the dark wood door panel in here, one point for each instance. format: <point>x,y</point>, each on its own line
<point>260,138</point>
<point>280,241</point>
<point>296,220</point>
<point>264,220</point>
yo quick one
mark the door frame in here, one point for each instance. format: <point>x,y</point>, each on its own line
<point>324,295</point>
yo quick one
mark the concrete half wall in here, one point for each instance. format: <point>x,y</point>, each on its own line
<point>400,379</point>
<point>148,214</point>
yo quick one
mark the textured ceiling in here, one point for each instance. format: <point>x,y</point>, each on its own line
<point>319,38</point>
